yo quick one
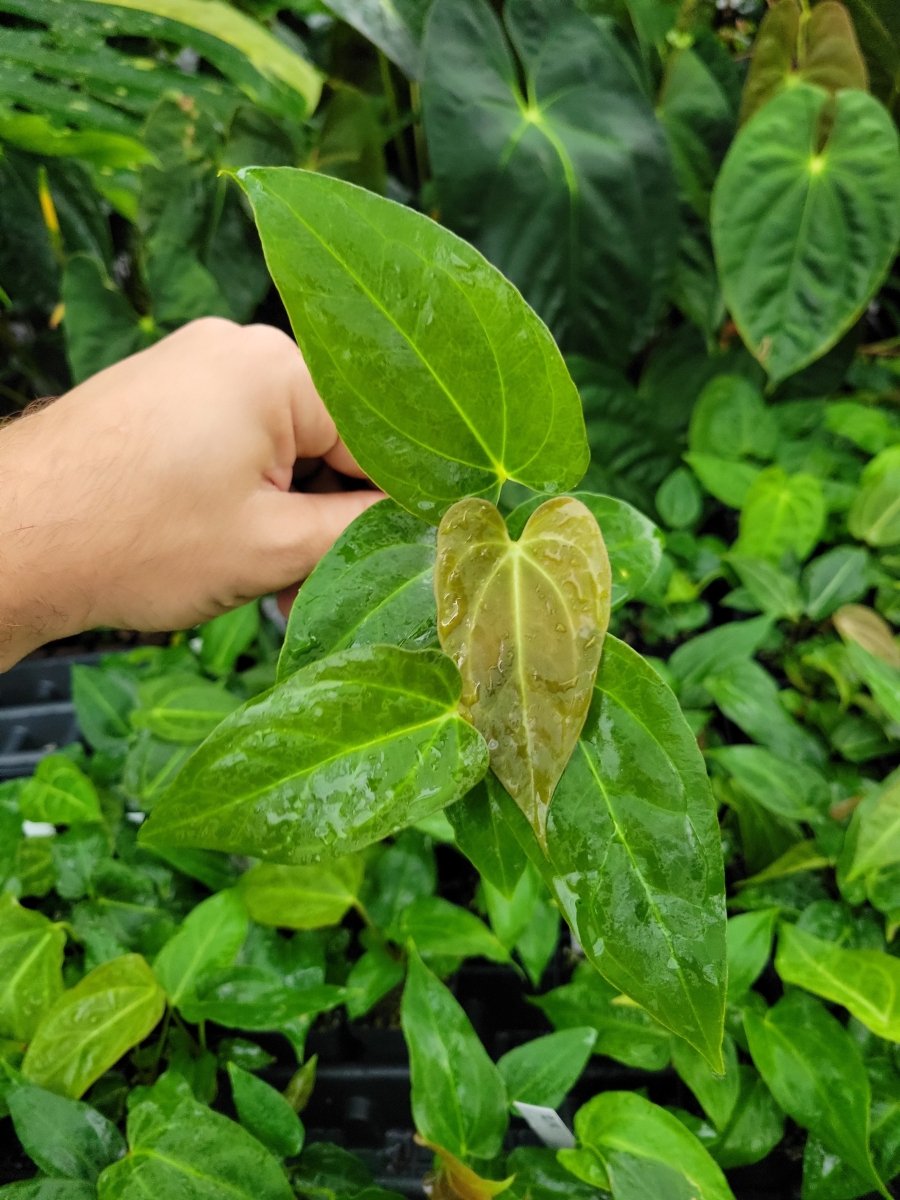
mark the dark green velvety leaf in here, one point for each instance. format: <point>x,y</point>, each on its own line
<point>731,420</point>
<point>265,1113</point>
<point>481,417</point>
<point>815,1071</point>
<point>93,1024</point>
<point>210,937</point>
<point>459,1099</point>
<point>878,28</point>
<point>374,585</point>
<point>524,621</point>
<point>336,756</point>
<point>544,1070</point>
<point>540,178</point>
<point>634,544</point>
<point>101,327</point>
<point>394,26</point>
<point>837,577</point>
<point>624,1031</point>
<point>224,639</point>
<point>302,897</point>
<point>632,838</point>
<point>484,836</point>
<point>195,1154</point>
<point>867,982</point>
<point>805,222</point>
<point>820,49</point>
<point>31,956</point>
<point>624,1123</point>
<point>59,792</point>
<point>64,1137</point>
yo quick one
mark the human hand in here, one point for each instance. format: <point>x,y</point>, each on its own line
<point>155,495</point>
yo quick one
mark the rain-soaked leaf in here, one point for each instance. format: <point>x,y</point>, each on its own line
<point>374,585</point>
<point>525,622</point>
<point>336,756</point>
<point>478,416</point>
<point>93,1024</point>
<point>633,844</point>
<point>31,956</point>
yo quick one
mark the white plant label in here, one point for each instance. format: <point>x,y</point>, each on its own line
<point>547,1124</point>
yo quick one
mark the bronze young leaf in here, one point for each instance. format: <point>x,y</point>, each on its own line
<point>524,621</point>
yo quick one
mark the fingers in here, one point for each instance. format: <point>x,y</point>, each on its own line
<point>301,527</point>
<point>342,460</point>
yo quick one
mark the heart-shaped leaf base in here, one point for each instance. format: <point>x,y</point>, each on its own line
<point>524,621</point>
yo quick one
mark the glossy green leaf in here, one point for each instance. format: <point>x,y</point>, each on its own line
<point>793,790</point>
<point>93,1024</point>
<point>749,941</point>
<point>624,1031</point>
<point>255,999</point>
<point>624,1123</point>
<point>537,161</point>
<point>717,1093</point>
<point>194,1154</point>
<point>817,47</point>
<point>302,897</point>
<point>224,639</point>
<point>633,841</point>
<point>875,514</point>
<point>265,1113</point>
<point>59,792</point>
<point>371,977</point>
<point>805,222</point>
<point>63,1137</point>
<point>867,982</point>
<point>459,1099</point>
<point>210,937</point>
<point>730,420</point>
<point>436,928</point>
<point>545,1070</point>
<point>717,649</point>
<point>756,1126</point>
<point>727,480</point>
<point>505,409</point>
<point>524,621</point>
<point>484,836</point>
<point>837,577</point>
<point>781,513</point>
<point>374,586</point>
<point>633,543</point>
<point>336,756</point>
<point>815,1071</point>
<point>31,957</point>
<point>182,708</point>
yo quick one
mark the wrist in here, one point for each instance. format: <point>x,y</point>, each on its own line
<point>36,583</point>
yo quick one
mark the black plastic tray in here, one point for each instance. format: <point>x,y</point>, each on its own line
<point>36,713</point>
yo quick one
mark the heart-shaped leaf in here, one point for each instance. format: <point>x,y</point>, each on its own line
<point>524,621</point>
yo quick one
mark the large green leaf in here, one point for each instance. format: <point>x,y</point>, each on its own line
<point>805,222</point>
<point>525,622</point>
<point>459,1099</point>
<point>302,897</point>
<point>867,982</point>
<point>374,585</point>
<point>633,843</point>
<point>334,757</point>
<point>505,408</point>
<point>792,44</point>
<point>210,937</point>
<point>31,956</point>
<point>815,1071</point>
<point>63,1137</point>
<point>553,165</point>
<point>616,1125</point>
<point>93,1024</point>
<point>194,1154</point>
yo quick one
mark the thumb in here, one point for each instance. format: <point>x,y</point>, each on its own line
<point>302,526</point>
